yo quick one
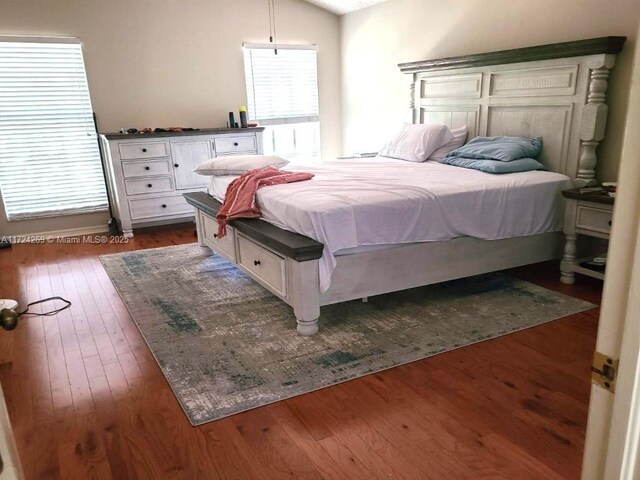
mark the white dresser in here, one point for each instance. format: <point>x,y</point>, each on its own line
<point>149,173</point>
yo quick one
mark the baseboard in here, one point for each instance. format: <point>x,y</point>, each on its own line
<point>69,232</point>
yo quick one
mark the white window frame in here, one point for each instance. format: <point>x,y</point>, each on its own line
<point>296,122</point>
<point>95,197</point>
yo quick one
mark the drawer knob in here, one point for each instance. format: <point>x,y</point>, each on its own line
<point>164,205</point>
<point>176,165</point>
<point>215,235</point>
<point>144,150</point>
<point>609,222</point>
<point>256,262</point>
<point>147,168</point>
<point>235,144</point>
<point>149,185</point>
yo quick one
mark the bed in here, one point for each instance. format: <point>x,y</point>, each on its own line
<point>371,226</point>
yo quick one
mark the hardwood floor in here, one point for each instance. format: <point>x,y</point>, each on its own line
<point>87,399</point>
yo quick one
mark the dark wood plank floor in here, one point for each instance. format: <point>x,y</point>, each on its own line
<point>87,400</point>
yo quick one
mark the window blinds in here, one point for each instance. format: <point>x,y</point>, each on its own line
<point>49,159</point>
<point>281,88</point>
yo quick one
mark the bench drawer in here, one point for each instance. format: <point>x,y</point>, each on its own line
<point>264,264</point>
<point>158,207</point>
<point>594,219</point>
<point>236,144</point>
<point>148,185</point>
<point>129,151</point>
<point>146,169</point>
<point>225,245</point>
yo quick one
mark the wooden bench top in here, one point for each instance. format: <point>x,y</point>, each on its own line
<point>289,244</point>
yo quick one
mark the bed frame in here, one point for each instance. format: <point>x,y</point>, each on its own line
<point>554,91</point>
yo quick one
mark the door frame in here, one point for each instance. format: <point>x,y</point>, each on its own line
<point>613,427</point>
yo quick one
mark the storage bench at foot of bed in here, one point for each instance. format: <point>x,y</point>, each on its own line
<point>285,263</point>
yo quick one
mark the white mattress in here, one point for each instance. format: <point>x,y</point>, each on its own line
<point>218,185</point>
<point>381,202</point>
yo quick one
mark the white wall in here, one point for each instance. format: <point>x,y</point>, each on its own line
<point>174,62</point>
<point>374,40</point>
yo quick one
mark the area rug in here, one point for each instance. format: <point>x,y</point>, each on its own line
<point>226,345</point>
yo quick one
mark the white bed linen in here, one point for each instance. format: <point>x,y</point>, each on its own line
<point>218,185</point>
<point>383,201</point>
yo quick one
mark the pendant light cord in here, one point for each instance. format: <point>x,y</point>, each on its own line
<point>273,36</point>
<point>270,22</point>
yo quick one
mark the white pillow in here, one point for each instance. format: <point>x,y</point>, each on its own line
<point>416,143</point>
<point>238,164</point>
<point>459,137</point>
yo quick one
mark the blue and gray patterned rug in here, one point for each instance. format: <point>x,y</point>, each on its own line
<point>225,344</point>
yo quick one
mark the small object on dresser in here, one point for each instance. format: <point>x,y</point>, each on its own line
<point>232,120</point>
<point>243,116</point>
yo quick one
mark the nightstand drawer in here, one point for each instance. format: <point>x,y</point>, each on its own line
<point>146,169</point>
<point>265,265</point>
<point>594,219</point>
<point>129,151</point>
<point>235,144</point>
<point>148,185</point>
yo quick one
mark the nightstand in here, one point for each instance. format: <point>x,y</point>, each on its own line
<point>359,155</point>
<point>586,214</point>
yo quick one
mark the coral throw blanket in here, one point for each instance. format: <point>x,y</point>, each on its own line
<point>240,199</point>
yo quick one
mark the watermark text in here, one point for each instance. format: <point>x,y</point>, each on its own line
<point>77,240</point>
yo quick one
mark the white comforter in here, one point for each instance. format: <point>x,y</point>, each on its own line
<point>381,201</point>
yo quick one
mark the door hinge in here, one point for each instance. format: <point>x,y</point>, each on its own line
<point>604,371</point>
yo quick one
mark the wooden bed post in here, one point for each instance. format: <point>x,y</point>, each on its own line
<point>594,118</point>
<point>304,294</point>
<point>199,229</point>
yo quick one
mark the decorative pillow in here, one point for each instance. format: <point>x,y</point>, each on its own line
<point>504,149</point>
<point>415,143</point>
<point>459,137</point>
<point>495,166</point>
<point>238,164</point>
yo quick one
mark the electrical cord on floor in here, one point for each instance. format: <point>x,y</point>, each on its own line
<point>46,314</point>
<point>9,317</point>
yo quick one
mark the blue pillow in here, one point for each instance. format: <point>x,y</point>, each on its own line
<point>495,166</point>
<point>504,149</point>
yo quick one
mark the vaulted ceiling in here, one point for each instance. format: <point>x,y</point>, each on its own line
<point>344,6</point>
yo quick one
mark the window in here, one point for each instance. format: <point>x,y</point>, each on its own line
<point>49,159</point>
<point>282,95</point>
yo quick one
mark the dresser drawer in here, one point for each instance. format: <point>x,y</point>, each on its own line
<point>142,208</point>
<point>267,266</point>
<point>594,219</point>
<point>129,151</point>
<point>146,169</point>
<point>148,185</point>
<point>225,245</point>
<point>235,144</point>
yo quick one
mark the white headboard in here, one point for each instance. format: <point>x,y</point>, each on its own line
<point>556,91</point>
